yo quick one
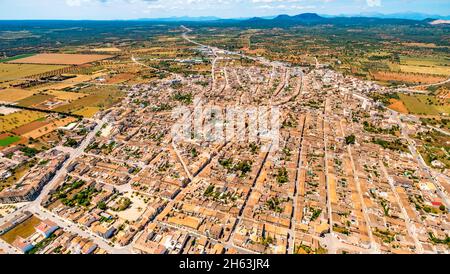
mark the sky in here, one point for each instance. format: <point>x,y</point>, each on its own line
<point>134,9</point>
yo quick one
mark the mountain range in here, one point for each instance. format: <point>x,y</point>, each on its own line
<point>311,17</point>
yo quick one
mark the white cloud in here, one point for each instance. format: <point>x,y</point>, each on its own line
<point>373,3</point>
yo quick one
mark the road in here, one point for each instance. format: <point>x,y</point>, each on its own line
<point>373,246</point>
<point>291,239</point>
<point>409,225</point>
<point>332,237</point>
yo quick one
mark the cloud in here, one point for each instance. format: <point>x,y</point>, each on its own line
<point>373,3</point>
<point>79,3</point>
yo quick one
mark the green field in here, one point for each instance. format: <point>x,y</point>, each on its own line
<point>424,61</point>
<point>423,104</point>
<point>426,65</point>
<point>16,57</point>
<point>8,140</point>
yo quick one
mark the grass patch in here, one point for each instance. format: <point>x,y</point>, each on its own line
<point>8,140</point>
<point>423,105</point>
<point>9,59</point>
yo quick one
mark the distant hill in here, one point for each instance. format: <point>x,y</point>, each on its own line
<point>314,19</point>
<point>405,15</point>
<point>285,20</point>
<point>182,19</point>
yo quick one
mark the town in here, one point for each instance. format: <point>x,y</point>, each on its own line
<point>90,164</point>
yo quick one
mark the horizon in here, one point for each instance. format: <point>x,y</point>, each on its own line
<point>110,10</point>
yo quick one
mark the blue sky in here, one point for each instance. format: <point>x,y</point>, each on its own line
<point>132,9</point>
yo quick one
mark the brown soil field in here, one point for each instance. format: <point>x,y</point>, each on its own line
<point>65,95</point>
<point>398,106</point>
<point>49,128</point>
<point>62,59</point>
<point>120,78</point>
<point>14,95</point>
<point>29,127</point>
<point>407,77</point>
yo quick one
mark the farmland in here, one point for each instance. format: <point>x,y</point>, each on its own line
<point>47,128</point>
<point>424,105</point>
<point>14,95</point>
<point>61,59</point>
<point>4,142</point>
<point>65,95</point>
<point>10,72</point>
<point>66,83</point>
<point>398,106</point>
<point>15,58</point>
<point>106,50</point>
<point>87,112</point>
<point>35,99</point>
<point>99,97</point>
<point>426,70</point>
<point>15,120</point>
<point>30,126</point>
<point>401,77</point>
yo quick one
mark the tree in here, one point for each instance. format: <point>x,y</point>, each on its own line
<point>350,140</point>
<point>102,205</point>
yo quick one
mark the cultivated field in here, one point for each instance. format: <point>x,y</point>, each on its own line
<point>30,127</point>
<point>15,120</point>
<point>8,140</point>
<point>99,98</point>
<point>14,95</point>
<point>43,130</point>
<point>398,106</point>
<point>65,95</point>
<point>87,112</point>
<point>106,50</point>
<point>10,72</point>
<point>426,70</point>
<point>34,100</point>
<point>61,59</point>
<point>424,105</point>
<point>67,83</point>
<point>386,76</point>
